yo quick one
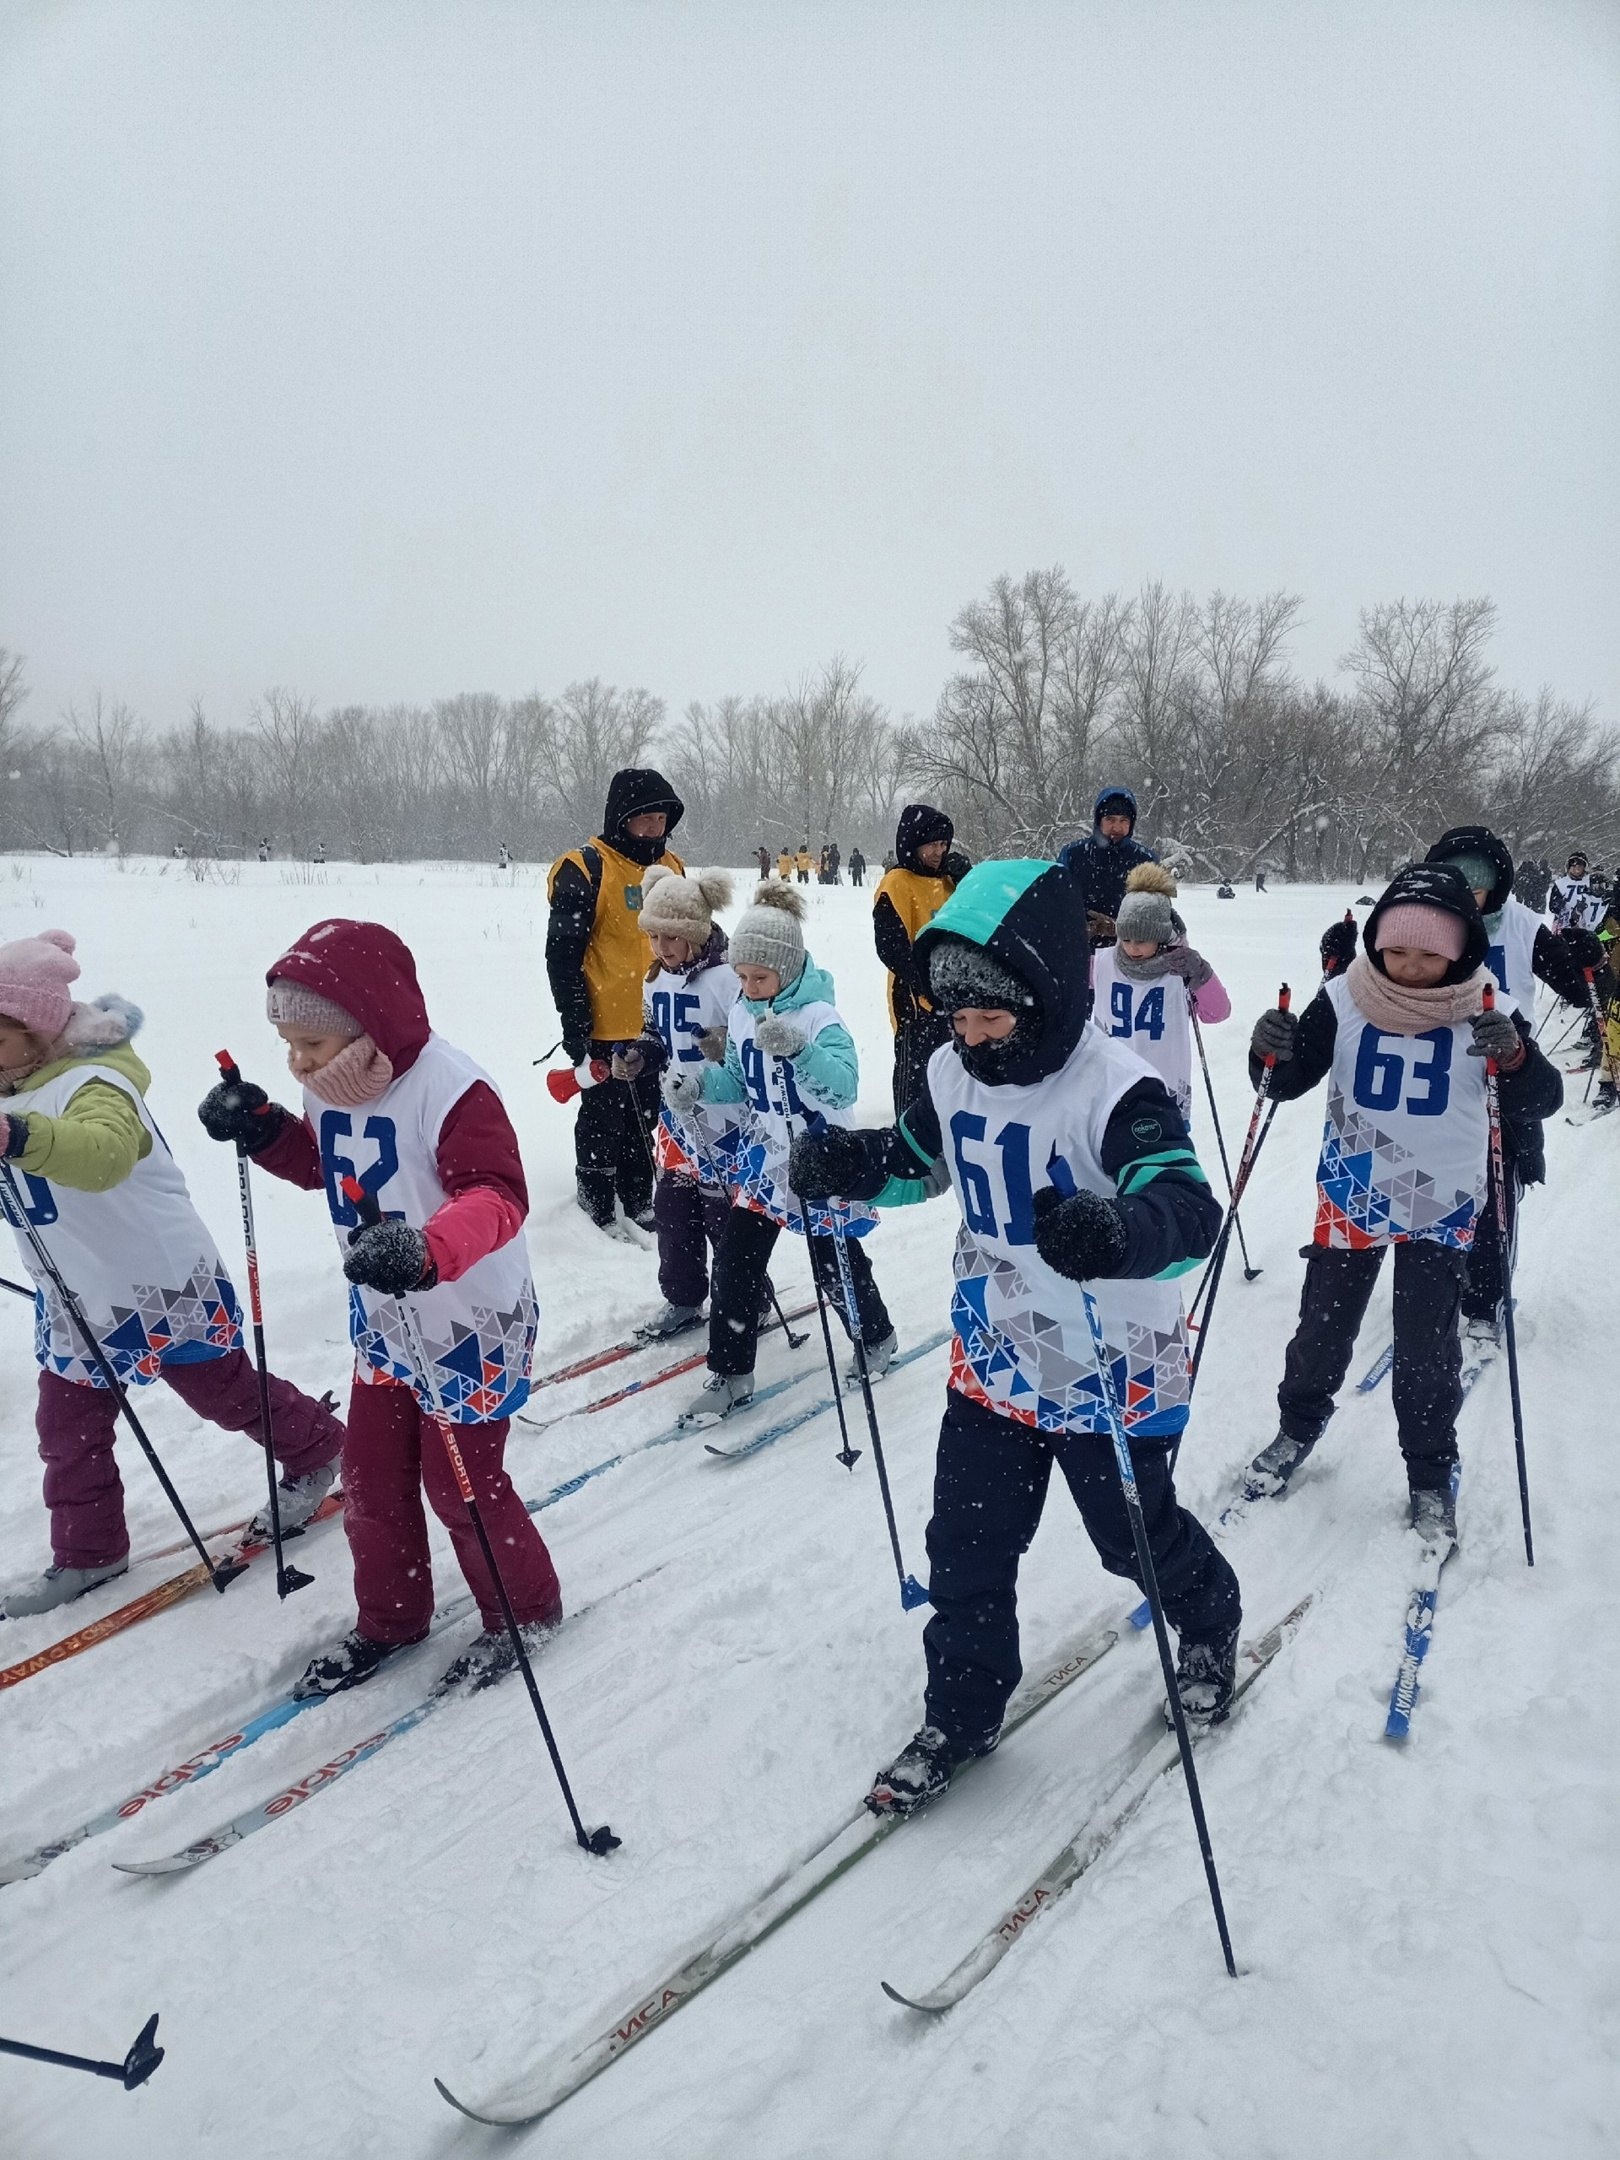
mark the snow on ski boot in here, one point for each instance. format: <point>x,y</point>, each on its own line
<point>1434,1518</point>
<point>490,1657</point>
<point>670,1320</point>
<point>719,1396</point>
<point>1206,1674</point>
<point>919,1773</point>
<point>57,1586</point>
<point>1269,1473</point>
<point>1482,1330</point>
<point>644,1218</point>
<point>352,1663</point>
<point>879,1357</point>
<point>298,1500</point>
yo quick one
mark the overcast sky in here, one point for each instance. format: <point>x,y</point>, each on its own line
<point>384,351</point>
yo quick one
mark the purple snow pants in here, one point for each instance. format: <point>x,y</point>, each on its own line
<point>76,1425</point>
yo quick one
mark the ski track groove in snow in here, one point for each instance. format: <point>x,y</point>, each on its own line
<point>1426,1936</point>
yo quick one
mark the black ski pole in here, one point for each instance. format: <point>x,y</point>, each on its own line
<point>136,2067</point>
<point>17,1288</point>
<point>221,1573</point>
<point>1253,1141</point>
<point>912,1593</point>
<point>847,1455</point>
<point>1249,1270</point>
<point>1150,1587</point>
<point>288,1579</point>
<point>1493,1106</point>
<point>601,1840</point>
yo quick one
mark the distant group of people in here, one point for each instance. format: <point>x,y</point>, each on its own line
<point>801,865</point>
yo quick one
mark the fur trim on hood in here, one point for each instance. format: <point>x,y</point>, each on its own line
<point>102,1025</point>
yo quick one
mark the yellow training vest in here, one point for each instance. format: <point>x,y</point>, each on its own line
<point>784,867</point>
<point>916,900</point>
<point>616,957</point>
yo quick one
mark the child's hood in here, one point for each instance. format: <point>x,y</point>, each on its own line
<point>369,971</point>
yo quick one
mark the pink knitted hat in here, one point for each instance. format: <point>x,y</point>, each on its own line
<point>1421,929</point>
<point>34,976</point>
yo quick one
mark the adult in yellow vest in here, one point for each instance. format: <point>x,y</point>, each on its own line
<point>596,959</point>
<point>925,874</point>
<point>784,866</point>
<point>806,863</point>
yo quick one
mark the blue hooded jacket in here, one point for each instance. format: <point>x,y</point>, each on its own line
<point>1104,865</point>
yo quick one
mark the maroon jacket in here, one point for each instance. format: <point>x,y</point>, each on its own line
<point>369,971</point>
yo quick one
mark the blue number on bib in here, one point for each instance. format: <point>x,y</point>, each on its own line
<point>1381,1074</point>
<point>687,1023</point>
<point>39,1204</point>
<point>753,1065</point>
<point>1149,1016</point>
<point>337,1125</point>
<point>662,1022</point>
<point>977,1184</point>
<point>1496,961</point>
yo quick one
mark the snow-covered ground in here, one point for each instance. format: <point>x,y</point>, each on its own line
<point>1427,1937</point>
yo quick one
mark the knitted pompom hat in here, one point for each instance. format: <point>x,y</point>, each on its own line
<point>768,934</point>
<point>1145,915</point>
<point>683,907</point>
<point>35,974</point>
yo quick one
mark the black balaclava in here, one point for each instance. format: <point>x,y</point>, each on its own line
<point>962,974</point>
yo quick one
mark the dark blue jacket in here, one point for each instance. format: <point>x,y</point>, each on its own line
<point>1104,865</point>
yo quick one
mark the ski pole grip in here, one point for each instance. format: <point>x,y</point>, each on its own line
<point>1284,998</point>
<point>229,1071</point>
<point>364,1202</point>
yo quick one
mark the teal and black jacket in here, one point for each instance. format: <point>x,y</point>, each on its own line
<point>1032,918</point>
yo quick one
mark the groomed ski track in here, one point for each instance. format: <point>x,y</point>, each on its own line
<point>1423,1931</point>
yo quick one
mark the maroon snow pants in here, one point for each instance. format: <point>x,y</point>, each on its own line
<point>77,1424</point>
<point>392,1455</point>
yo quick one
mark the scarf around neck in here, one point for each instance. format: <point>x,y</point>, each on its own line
<point>1150,969</point>
<point>1395,1010</point>
<point>358,1074</point>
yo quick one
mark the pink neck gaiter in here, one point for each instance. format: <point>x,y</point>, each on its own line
<point>358,1074</point>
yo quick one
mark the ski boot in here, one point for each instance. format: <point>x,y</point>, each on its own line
<point>879,1357</point>
<point>1206,1675</point>
<point>670,1320</point>
<point>57,1586</point>
<point>919,1773</point>
<point>1482,1331</point>
<point>720,1395</point>
<point>490,1657</point>
<point>1434,1518</point>
<point>299,1498</point>
<point>1269,1473</point>
<point>353,1662</point>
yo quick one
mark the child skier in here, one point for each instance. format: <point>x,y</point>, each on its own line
<point>1403,1038</point>
<point>689,996</point>
<point>109,1203</point>
<point>1148,984</point>
<point>1073,1171</point>
<point>789,1063</point>
<point>392,1103</point>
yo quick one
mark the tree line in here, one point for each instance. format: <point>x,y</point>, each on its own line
<point>1237,762</point>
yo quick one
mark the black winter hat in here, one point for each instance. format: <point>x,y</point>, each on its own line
<point>631,792</point>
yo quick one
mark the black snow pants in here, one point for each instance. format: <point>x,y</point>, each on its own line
<point>990,1480</point>
<point>1427,1379</point>
<point>613,1143</point>
<point>689,1220</point>
<point>739,1288</point>
<point>916,1039</point>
